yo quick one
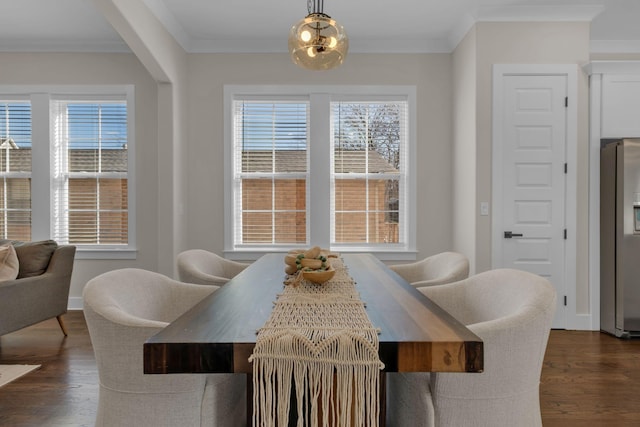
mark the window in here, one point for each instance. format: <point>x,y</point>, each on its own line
<point>90,172</point>
<point>78,140</point>
<point>319,166</point>
<point>271,172</point>
<point>368,148</point>
<point>15,170</point>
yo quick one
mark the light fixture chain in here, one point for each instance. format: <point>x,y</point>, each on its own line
<point>315,6</point>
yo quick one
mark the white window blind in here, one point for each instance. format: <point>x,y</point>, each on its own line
<point>15,169</point>
<point>90,172</point>
<point>368,175</point>
<point>270,182</point>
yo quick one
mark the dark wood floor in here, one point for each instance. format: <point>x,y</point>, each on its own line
<point>588,378</point>
<point>64,391</point>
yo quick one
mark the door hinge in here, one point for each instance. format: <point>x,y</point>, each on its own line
<point>565,168</point>
<point>566,101</point>
<point>565,300</point>
<point>565,234</point>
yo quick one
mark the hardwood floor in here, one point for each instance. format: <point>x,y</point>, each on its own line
<point>588,378</point>
<point>64,390</point>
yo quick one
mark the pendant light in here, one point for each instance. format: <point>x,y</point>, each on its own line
<point>318,42</point>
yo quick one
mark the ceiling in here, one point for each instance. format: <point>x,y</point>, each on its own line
<point>262,26</point>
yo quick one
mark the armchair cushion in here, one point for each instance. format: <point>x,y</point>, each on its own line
<point>9,266</point>
<point>34,256</point>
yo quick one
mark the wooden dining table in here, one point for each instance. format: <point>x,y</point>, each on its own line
<point>218,334</point>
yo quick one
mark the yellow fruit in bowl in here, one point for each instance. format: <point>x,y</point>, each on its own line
<point>291,269</point>
<point>313,252</point>
<point>290,259</point>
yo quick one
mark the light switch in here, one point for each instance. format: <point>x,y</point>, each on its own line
<point>484,208</point>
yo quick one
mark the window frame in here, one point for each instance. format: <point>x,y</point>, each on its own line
<point>319,157</point>
<point>42,194</point>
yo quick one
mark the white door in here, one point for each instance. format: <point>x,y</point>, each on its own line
<point>532,179</point>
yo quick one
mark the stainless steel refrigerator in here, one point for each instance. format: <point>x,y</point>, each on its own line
<point>620,237</point>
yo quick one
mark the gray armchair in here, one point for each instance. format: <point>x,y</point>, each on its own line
<point>34,295</point>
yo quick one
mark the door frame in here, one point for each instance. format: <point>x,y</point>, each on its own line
<point>570,71</point>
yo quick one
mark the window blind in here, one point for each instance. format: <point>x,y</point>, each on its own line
<point>15,169</point>
<point>271,172</point>
<point>368,174</point>
<point>90,165</point>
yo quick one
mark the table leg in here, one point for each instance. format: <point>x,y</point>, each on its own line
<point>383,399</point>
<point>249,400</point>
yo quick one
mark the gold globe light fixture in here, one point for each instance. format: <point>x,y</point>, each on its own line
<point>318,42</point>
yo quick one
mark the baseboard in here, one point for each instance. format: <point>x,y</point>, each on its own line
<point>75,303</point>
<point>583,322</point>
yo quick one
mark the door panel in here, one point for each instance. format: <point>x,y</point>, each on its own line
<point>533,177</point>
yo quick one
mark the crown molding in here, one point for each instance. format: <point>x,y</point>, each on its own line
<point>612,67</point>
<point>542,13</point>
<point>615,46</point>
<point>63,46</point>
<point>355,46</point>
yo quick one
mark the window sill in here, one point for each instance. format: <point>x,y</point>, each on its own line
<point>87,253</point>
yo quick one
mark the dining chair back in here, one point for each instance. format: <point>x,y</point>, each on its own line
<point>445,267</point>
<point>511,311</point>
<point>207,268</point>
<point>123,308</point>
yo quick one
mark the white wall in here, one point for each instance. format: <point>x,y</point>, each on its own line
<point>208,73</point>
<point>464,148</point>
<point>202,135</point>
<point>532,43</point>
<point>103,69</point>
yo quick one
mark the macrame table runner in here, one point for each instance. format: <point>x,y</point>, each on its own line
<point>320,343</point>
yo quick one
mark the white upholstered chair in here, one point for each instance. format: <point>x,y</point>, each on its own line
<point>445,267</point>
<point>206,268</point>
<point>512,311</point>
<point>123,308</point>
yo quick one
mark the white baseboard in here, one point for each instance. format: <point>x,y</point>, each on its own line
<point>75,303</point>
<point>584,322</point>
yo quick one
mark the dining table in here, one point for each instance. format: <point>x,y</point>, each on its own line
<point>218,335</point>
